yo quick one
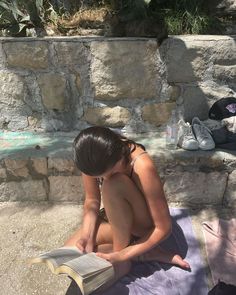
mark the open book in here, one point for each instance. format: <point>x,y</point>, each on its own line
<point>88,270</point>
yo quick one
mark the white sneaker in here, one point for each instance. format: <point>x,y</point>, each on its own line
<point>203,135</point>
<point>186,137</point>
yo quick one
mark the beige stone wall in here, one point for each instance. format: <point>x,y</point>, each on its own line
<point>40,179</point>
<point>63,84</point>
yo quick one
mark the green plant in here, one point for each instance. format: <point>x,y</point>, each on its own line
<point>16,16</point>
<point>185,16</point>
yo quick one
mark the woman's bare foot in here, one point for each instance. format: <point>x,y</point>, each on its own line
<point>158,254</point>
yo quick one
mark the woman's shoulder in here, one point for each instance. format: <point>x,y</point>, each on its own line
<point>141,159</point>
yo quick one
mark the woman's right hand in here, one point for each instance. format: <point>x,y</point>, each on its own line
<point>85,245</point>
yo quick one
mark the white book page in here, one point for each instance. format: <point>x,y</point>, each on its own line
<point>88,264</point>
<point>61,255</point>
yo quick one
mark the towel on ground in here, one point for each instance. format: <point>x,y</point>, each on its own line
<point>147,278</point>
<point>220,238</point>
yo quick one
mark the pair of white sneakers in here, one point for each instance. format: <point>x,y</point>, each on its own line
<point>195,136</point>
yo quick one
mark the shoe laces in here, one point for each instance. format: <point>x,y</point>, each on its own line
<point>204,131</point>
<point>187,131</point>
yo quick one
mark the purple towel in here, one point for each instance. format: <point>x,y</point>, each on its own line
<point>158,278</point>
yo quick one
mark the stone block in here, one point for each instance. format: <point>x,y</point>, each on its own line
<point>17,167</point>
<point>223,52</point>
<point>125,69</point>
<point>106,116</point>
<point>196,103</point>
<point>230,193</point>
<point>71,54</point>
<point>3,173</point>
<point>31,190</point>
<point>66,188</point>
<point>53,87</point>
<point>225,73</point>
<point>40,165</point>
<point>158,113</point>
<point>190,59</point>
<point>13,109</point>
<point>196,189</point>
<point>2,55</point>
<point>61,165</point>
<point>12,89</point>
<point>186,60</point>
<point>214,91</point>
<point>30,55</point>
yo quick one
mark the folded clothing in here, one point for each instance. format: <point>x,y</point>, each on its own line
<point>224,138</point>
<point>220,238</point>
<point>230,124</point>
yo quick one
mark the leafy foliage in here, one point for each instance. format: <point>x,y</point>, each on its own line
<point>179,16</point>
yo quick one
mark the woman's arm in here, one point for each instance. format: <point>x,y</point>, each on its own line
<point>91,209</point>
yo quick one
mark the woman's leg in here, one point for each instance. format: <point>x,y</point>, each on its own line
<point>103,237</point>
<point>126,210</point>
<point>128,214</point>
<point>161,255</point>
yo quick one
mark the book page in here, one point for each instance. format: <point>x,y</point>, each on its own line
<point>88,264</point>
<point>61,255</point>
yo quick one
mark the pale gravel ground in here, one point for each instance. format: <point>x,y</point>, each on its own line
<point>27,229</point>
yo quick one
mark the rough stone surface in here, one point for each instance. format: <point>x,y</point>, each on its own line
<point>13,90</point>
<point>61,165</point>
<point>196,188</point>
<point>186,55</point>
<point>30,55</point>
<point>17,168</point>
<point>62,84</point>
<point>124,69</point>
<point>13,109</point>
<point>53,88</point>
<point>66,188</point>
<point>225,73</point>
<point>230,194</point>
<point>224,51</point>
<point>30,190</point>
<point>158,113</point>
<point>40,165</point>
<point>3,173</point>
<point>113,117</point>
<point>71,54</point>
<point>195,103</point>
<point>197,56</point>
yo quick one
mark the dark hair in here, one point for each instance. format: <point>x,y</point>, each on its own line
<point>97,149</point>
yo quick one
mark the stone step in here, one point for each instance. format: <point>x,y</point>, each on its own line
<point>39,167</point>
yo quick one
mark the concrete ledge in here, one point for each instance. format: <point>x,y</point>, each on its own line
<point>40,167</point>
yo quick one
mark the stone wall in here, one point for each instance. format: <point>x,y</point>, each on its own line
<point>40,179</point>
<point>63,84</point>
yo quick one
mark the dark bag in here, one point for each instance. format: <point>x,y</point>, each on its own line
<point>223,108</point>
<point>223,289</point>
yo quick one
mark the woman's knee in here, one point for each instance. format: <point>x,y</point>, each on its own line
<point>117,183</point>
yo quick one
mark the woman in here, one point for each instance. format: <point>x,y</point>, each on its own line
<point>136,217</point>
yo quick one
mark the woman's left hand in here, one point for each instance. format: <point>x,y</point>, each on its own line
<point>113,257</point>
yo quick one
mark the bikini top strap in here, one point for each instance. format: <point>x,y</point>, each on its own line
<point>134,160</point>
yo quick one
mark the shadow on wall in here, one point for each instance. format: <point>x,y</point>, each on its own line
<point>199,69</point>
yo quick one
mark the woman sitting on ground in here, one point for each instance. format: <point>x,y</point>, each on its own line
<point>136,218</point>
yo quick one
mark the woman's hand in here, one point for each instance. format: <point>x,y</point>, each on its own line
<point>113,257</point>
<point>85,244</point>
